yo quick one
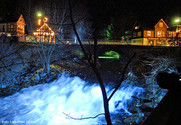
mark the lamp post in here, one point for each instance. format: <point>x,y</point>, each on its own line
<point>177,22</point>
<point>39,16</point>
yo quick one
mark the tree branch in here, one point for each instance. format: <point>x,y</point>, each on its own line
<point>13,52</point>
<point>94,68</point>
<point>95,47</point>
<point>122,77</point>
<point>83,117</point>
<point>12,64</point>
<point>87,64</point>
<point>78,38</point>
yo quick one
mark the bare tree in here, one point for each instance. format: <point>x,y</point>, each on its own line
<point>46,44</point>
<point>14,61</point>
<point>57,13</point>
<point>92,62</point>
<point>45,47</point>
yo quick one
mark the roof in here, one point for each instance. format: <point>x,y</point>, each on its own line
<point>161,20</point>
<point>21,19</point>
<point>150,24</point>
<point>45,30</point>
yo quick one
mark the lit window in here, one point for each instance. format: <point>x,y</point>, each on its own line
<point>160,33</point>
<point>139,34</point>
<point>148,33</point>
<point>169,34</point>
<point>11,26</point>
<point>161,24</point>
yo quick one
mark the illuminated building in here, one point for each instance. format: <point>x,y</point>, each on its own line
<point>159,35</point>
<point>13,27</point>
<point>44,31</point>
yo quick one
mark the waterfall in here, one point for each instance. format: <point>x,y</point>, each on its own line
<point>52,103</point>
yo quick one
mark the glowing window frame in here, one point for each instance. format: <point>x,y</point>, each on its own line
<point>148,33</point>
<point>160,24</point>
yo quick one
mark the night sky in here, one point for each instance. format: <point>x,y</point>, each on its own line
<point>118,12</point>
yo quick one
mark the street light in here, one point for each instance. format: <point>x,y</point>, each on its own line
<point>177,22</point>
<point>39,14</point>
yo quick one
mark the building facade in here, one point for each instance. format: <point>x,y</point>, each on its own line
<point>44,33</point>
<point>13,28</point>
<point>159,35</point>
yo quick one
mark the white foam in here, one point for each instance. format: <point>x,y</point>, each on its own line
<point>46,104</point>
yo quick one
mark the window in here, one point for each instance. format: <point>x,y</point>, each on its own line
<point>163,34</point>
<point>135,34</point>
<point>148,33</point>
<point>12,26</point>
<point>160,34</point>
<point>161,24</point>
<point>170,34</point>
<point>139,34</point>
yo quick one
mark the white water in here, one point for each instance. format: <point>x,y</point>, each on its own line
<point>46,104</point>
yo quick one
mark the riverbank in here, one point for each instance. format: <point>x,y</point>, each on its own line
<point>141,73</point>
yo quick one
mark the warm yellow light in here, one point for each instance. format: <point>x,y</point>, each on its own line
<point>45,19</point>
<point>149,33</point>
<point>41,30</point>
<point>39,21</point>
<point>177,20</point>
<point>39,14</point>
<point>136,27</point>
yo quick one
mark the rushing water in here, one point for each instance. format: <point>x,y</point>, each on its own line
<point>48,104</point>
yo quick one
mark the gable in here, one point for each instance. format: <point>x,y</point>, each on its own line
<point>161,23</point>
<point>21,20</point>
<point>45,28</point>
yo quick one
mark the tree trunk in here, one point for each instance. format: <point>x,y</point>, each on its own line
<point>104,95</point>
<point>94,68</point>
